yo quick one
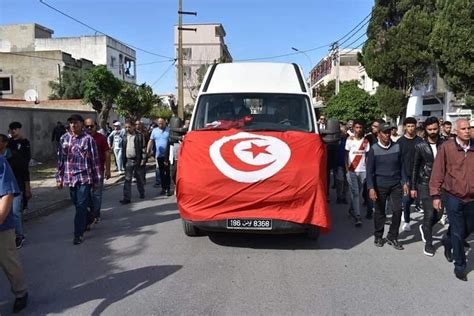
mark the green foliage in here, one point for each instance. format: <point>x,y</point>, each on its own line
<point>391,101</point>
<point>397,52</point>
<point>134,102</point>
<point>352,103</point>
<point>452,42</point>
<point>327,91</point>
<point>159,111</point>
<point>70,86</point>
<point>101,88</point>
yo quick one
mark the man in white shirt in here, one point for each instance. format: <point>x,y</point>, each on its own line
<point>356,148</point>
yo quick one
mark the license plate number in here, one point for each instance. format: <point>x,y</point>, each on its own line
<point>254,224</point>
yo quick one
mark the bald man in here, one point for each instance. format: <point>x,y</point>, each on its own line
<point>452,174</point>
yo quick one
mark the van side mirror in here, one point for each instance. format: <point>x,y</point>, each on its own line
<point>332,133</point>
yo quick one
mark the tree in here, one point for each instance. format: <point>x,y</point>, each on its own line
<point>69,86</point>
<point>397,52</point>
<point>392,102</point>
<point>352,103</point>
<point>134,102</point>
<point>101,88</point>
<point>326,91</point>
<point>453,44</point>
<point>159,111</point>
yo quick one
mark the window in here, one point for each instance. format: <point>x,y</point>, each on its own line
<point>187,53</point>
<point>113,59</point>
<point>6,84</point>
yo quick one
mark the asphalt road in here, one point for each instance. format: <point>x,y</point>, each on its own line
<point>139,262</point>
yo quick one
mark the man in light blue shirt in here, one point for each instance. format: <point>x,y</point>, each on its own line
<point>159,139</point>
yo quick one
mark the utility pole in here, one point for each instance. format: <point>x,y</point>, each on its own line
<point>180,58</point>
<point>336,58</point>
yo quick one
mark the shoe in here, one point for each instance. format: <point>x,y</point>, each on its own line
<point>461,275</point>
<point>379,242</point>
<point>466,244</point>
<point>98,220</point>
<point>358,221</point>
<point>395,244</point>
<point>444,219</point>
<point>19,240</point>
<point>419,209</point>
<point>388,221</point>
<point>142,196</point>
<point>124,201</point>
<point>92,223</point>
<point>422,233</point>
<point>448,254</point>
<point>156,185</point>
<point>122,172</point>
<point>350,212</point>
<point>429,250</point>
<point>20,303</point>
<point>169,193</point>
<point>78,240</point>
<point>369,215</point>
<point>406,227</point>
<point>162,192</point>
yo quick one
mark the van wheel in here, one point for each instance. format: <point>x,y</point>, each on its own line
<point>313,233</point>
<point>190,229</point>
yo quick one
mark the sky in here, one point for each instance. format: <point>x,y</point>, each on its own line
<point>255,28</point>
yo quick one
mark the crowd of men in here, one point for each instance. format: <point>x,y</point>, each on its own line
<point>428,166</point>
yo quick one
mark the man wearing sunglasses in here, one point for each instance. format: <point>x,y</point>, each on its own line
<point>103,150</point>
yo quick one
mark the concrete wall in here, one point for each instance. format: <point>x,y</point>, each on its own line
<point>39,120</point>
<point>21,37</point>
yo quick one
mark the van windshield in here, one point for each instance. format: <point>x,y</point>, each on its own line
<point>261,111</point>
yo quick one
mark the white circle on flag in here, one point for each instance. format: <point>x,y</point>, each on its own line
<point>252,150</point>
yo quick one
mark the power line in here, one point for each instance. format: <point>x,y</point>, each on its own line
<point>355,26</point>
<point>353,34</point>
<point>283,55</point>
<point>164,73</point>
<point>97,31</point>
<point>353,42</point>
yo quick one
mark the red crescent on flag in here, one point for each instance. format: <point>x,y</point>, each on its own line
<point>227,152</point>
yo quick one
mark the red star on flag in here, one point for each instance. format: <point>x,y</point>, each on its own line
<point>257,150</point>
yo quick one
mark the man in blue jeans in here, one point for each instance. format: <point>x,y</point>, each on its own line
<point>79,169</point>
<point>452,178</point>
<point>159,139</point>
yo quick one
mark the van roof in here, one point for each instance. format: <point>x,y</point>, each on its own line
<point>253,78</point>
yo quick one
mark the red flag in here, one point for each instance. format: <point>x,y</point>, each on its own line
<point>238,174</point>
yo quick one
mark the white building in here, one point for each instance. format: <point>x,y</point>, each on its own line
<point>201,48</point>
<point>101,50</point>
<point>349,69</point>
<point>435,99</point>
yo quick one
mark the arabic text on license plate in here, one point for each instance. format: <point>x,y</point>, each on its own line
<point>258,224</point>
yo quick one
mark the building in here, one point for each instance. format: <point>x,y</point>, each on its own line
<point>435,99</point>
<point>349,69</point>
<point>201,48</point>
<point>30,57</point>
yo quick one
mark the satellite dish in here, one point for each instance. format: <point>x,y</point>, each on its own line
<point>31,95</point>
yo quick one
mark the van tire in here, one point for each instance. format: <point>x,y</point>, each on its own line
<point>313,233</point>
<point>190,230</point>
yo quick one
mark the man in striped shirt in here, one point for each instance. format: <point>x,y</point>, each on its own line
<point>79,169</point>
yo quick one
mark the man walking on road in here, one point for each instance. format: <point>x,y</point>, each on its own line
<point>425,154</point>
<point>452,174</point>
<point>159,138</point>
<point>103,151</point>
<point>79,169</point>
<point>9,260</point>
<point>115,141</point>
<point>134,157</point>
<point>357,147</point>
<point>407,147</point>
<point>385,176</point>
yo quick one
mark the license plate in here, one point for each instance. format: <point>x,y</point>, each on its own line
<point>254,224</point>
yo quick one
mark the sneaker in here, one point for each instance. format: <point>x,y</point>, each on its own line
<point>20,303</point>
<point>429,250</point>
<point>406,227</point>
<point>379,242</point>
<point>388,221</point>
<point>444,219</point>
<point>124,201</point>
<point>78,240</point>
<point>422,233</point>
<point>358,221</point>
<point>19,240</point>
<point>461,275</point>
<point>395,244</point>
<point>169,193</point>
<point>419,209</point>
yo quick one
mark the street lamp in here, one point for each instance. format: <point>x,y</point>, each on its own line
<point>310,67</point>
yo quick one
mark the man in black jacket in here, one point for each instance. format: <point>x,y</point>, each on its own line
<point>134,159</point>
<point>425,154</point>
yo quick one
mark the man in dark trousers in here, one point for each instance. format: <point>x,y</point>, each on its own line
<point>134,157</point>
<point>407,147</point>
<point>425,154</point>
<point>385,177</point>
<point>452,181</point>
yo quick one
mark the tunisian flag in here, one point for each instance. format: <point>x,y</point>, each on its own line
<point>237,174</point>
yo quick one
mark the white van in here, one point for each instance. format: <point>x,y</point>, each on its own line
<point>253,159</point>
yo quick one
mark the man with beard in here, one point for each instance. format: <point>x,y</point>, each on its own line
<point>425,154</point>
